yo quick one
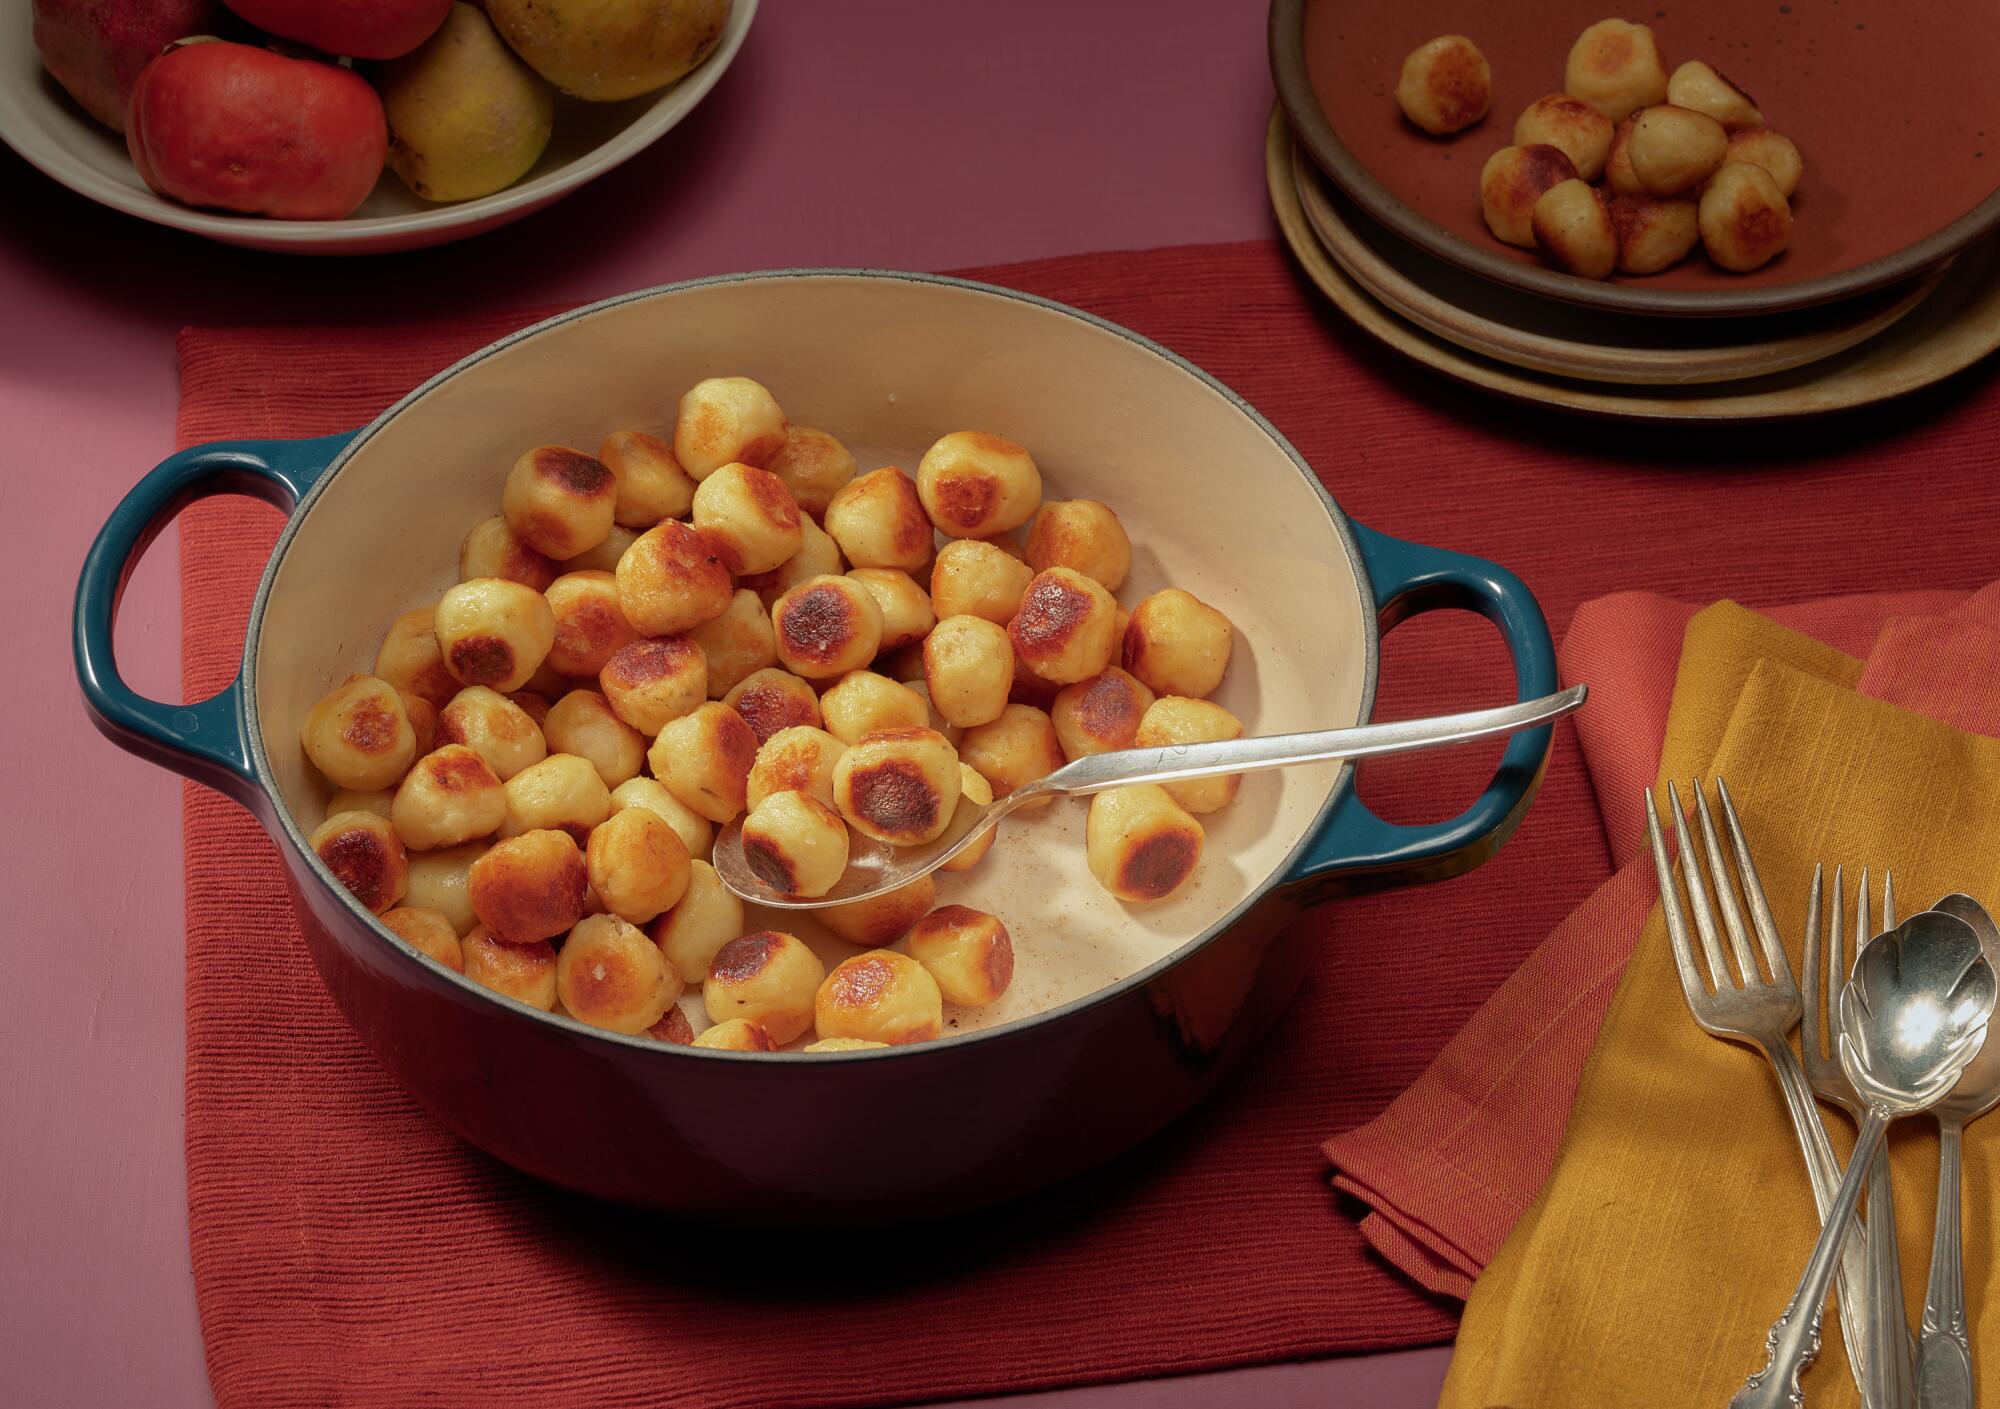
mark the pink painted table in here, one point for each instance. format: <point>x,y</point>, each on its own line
<point>867,132</point>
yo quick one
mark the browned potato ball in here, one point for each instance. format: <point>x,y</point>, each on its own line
<point>767,978</point>
<point>795,843</point>
<point>604,557</point>
<point>898,786</point>
<point>737,644</point>
<point>376,800</point>
<point>583,723</point>
<point>358,734</point>
<point>818,556</point>
<point>1175,719</point>
<point>1017,748</point>
<point>1745,220</point>
<point>672,580</point>
<point>564,792</point>
<point>1140,843</point>
<point>590,625</point>
<point>1100,714</point>
<point>1032,689</point>
<point>773,699</point>
<point>523,972</point>
<point>674,1027</point>
<point>1510,183</point>
<point>1446,85</point>
<point>1618,173</point>
<point>423,717</point>
<point>976,577</point>
<point>438,882</point>
<point>411,661</point>
<point>968,952</point>
<point>1699,88</point>
<point>879,997</point>
<point>879,522</point>
<point>528,887</point>
<point>707,916</point>
<point>495,728</point>
<point>493,549</point>
<point>1674,150</point>
<point>1178,644</point>
<point>429,933</point>
<point>1771,150</point>
<point>736,1035</point>
<point>365,855</point>
<point>449,796</point>
<point>933,720</point>
<point>559,501</point>
<point>974,485</point>
<point>1616,65</point>
<point>799,758</point>
<point>813,466</point>
<point>651,483</point>
<point>610,975</point>
<point>1573,230</point>
<point>842,1044</point>
<point>494,632</point>
<point>1574,127</point>
<point>827,626</point>
<point>1065,629</point>
<point>530,703</point>
<point>704,759</point>
<point>973,790</point>
<point>864,703</point>
<point>696,832</point>
<point>1654,232</point>
<point>750,516</point>
<point>881,919</point>
<point>726,420</point>
<point>637,864</point>
<point>968,670</point>
<point>906,607</point>
<point>654,681</point>
<point>1083,535</point>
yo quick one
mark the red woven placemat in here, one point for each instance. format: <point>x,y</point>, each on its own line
<point>346,1251</point>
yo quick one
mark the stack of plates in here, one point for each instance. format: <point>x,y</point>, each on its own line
<point>1868,304</point>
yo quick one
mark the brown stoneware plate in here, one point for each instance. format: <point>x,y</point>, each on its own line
<point>1892,103</point>
<point>1952,328</point>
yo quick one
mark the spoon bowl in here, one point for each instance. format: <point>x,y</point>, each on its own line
<point>1914,1014</point>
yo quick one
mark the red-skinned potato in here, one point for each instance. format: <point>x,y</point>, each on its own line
<point>96,49</point>
<point>359,29</point>
<point>240,128</point>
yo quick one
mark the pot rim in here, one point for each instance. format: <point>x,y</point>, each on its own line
<point>1258,894</point>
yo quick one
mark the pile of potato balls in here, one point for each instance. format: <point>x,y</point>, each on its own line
<point>1684,158</point>
<point>649,642</point>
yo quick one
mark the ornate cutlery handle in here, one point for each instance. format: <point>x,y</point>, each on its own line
<point>1944,1367</point>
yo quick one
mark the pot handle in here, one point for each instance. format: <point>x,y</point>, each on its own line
<point>207,740</point>
<point>1356,850</point>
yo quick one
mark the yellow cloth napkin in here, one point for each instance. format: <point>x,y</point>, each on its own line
<point>1679,1215</point>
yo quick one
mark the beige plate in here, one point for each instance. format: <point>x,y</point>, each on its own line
<point>1953,328</point>
<point>1567,340</point>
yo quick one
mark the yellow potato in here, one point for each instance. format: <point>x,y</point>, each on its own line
<point>1573,230</point>
<point>768,978</point>
<point>608,50</point>
<point>651,483</point>
<point>1615,64</point>
<point>879,997</point>
<point>1141,844</point>
<point>968,952</point>
<point>1445,85</point>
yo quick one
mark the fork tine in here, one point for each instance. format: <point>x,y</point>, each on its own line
<point>1704,917</point>
<point>1888,900</point>
<point>1809,1025</point>
<point>1725,891</point>
<point>1753,892</point>
<point>1670,906</point>
<point>1863,932</point>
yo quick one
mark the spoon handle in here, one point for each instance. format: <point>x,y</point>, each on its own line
<point>1794,1337</point>
<point>1180,763</point>
<point>1944,1370</point>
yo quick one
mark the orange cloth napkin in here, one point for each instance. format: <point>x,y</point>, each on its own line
<point>1678,1215</point>
<point>1449,1167</point>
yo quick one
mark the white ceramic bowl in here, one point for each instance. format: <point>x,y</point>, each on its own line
<point>41,122</point>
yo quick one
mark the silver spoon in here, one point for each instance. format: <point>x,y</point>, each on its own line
<point>1944,1358</point>
<point>874,868</point>
<point>1911,1017</point>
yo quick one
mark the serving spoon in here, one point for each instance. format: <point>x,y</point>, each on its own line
<point>875,868</point>
<point>1911,1018</point>
<point>1944,1357</point>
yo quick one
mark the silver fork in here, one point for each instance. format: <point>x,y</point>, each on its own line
<point>1891,1371</point>
<point>1746,1007</point>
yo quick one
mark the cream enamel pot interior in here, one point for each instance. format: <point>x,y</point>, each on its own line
<point>1121,1017</point>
